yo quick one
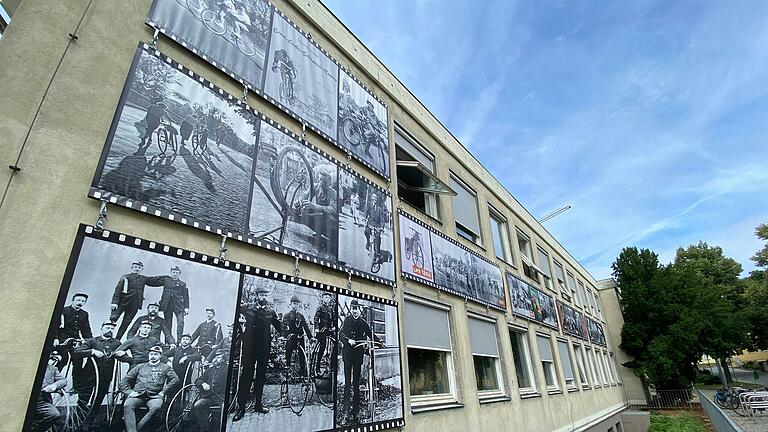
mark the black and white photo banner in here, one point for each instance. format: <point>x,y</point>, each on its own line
<point>257,45</point>
<point>596,333</point>
<point>572,321</point>
<point>531,303</point>
<point>430,257</point>
<point>153,337</point>
<point>182,149</point>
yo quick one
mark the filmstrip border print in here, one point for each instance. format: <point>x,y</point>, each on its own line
<point>379,426</point>
<point>152,246</point>
<point>99,194</point>
<point>531,319</point>
<point>561,307</point>
<point>415,278</point>
<point>275,102</point>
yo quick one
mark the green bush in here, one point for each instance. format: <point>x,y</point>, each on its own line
<point>678,423</point>
<point>707,378</point>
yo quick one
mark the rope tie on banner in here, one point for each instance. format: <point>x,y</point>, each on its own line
<point>223,248</point>
<point>349,281</point>
<point>155,37</point>
<point>102,216</point>
<point>296,270</point>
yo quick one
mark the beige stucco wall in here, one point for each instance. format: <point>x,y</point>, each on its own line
<point>46,201</point>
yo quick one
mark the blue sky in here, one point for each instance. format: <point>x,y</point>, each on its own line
<point>650,118</point>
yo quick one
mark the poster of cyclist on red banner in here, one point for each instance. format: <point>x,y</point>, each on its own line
<point>415,249</point>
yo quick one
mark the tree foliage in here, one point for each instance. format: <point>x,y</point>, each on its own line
<point>761,257</point>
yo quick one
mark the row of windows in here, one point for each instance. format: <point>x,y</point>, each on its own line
<point>431,358</point>
<point>419,186</point>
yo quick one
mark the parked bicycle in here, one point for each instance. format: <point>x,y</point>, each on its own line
<point>165,137</point>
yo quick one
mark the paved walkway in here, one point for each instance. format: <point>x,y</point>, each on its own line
<point>759,424</point>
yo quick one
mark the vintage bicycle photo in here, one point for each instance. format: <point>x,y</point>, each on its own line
<point>134,338</point>
<point>232,33</point>
<point>180,145</point>
<point>294,195</point>
<point>369,380</point>
<point>301,78</point>
<point>415,249</point>
<point>363,124</point>
<point>365,227</point>
<point>284,364</point>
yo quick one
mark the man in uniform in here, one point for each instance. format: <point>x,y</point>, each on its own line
<point>295,327</point>
<point>354,332</point>
<point>324,324</point>
<point>46,415</point>
<point>174,300</point>
<point>74,324</point>
<point>370,127</point>
<point>183,355</point>
<point>159,326</point>
<point>128,297</point>
<point>103,349</point>
<point>257,340</point>
<point>209,333</point>
<point>146,385</point>
<point>375,220</point>
<point>139,345</point>
<point>321,212</point>
<point>212,385</point>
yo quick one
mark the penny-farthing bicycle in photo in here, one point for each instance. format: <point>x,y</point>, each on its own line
<point>322,367</point>
<point>296,385</point>
<point>413,248</point>
<point>369,384</point>
<point>76,400</point>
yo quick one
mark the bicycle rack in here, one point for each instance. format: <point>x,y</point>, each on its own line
<point>223,248</point>
<point>102,216</point>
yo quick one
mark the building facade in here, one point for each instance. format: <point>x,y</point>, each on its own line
<point>349,186</point>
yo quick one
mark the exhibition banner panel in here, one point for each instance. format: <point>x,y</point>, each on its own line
<point>596,333</point>
<point>531,303</point>
<point>182,149</point>
<point>147,334</point>
<point>256,44</point>
<point>572,322</point>
<point>434,259</point>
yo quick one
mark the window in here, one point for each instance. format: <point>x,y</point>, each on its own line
<point>465,211</point>
<point>500,234</point>
<point>597,306</point>
<point>572,286</point>
<point>485,355</point>
<point>547,362</point>
<point>591,300</point>
<point>430,365</point>
<point>594,360</point>
<point>579,354</point>
<point>417,183</point>
<point>544,266</point>
<point>583,296</point>
<point>522,359</point>
<point>607,368</point>
<point>619,428</point>
<point>615,369</point>
<point>565,362</point>
<point>560,279</point>
<point>5,19</point>
<point>592,369</point>
<point>526,256</point>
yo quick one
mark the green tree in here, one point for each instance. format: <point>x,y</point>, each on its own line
<point>761,257</point>
<point>720,298</point>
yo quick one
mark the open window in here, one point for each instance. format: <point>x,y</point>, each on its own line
<point>526,256</point>
<point>465,210</point>
<point>544,266</point>
<point>417,183</point>
<point>500,234</point>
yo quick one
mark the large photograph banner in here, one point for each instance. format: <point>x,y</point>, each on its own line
<point>596,333</point>
<point>429,257</point>
<point>182,149</point>
<point>531,303</point>
<point>146,336</point>
<point>260,47</point>
<point>573,322</point>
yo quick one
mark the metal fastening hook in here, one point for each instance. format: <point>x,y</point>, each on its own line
<point>303,131</point>
<point>349,281</point>
<point>296,267</point>
<point>245,94</point>
<point>155,37</point>
<point>223,247</point>
<point>102,216</point>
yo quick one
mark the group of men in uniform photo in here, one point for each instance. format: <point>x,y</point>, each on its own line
<point>156,361</point>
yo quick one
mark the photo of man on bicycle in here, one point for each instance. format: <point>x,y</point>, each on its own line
<point>363,124</point>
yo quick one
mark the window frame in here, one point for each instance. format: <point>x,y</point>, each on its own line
<point>562,284</point>
<point>583,294</point>
<point>599,310</point>
<point>462,230</point>
<point>529,269</point>
<point>502,224</point>
<point>549,366</point>
<point>574,289</point>
<point>431,200</point>
<point>419,401</point>
<point>615,368</point>
<point>578,351</point>
<point>545,266</point>
<point>589,354</point>
<point>526,359</point>
<point>572,385</point>
<point>497,363</point>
